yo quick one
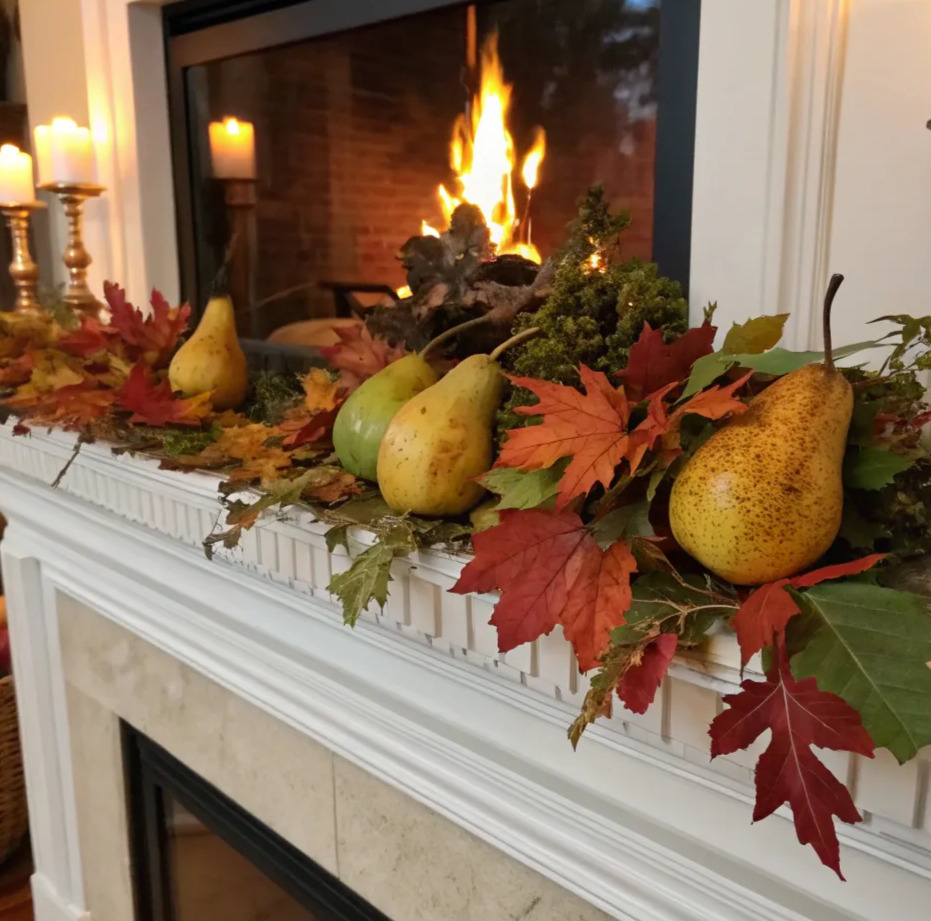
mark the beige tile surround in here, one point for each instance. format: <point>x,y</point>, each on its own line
<point>411,863</point>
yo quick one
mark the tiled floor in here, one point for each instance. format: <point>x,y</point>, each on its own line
<point>15,897</point>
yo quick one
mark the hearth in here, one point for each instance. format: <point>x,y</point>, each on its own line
<point>371,119</point>
<point>199,856</point>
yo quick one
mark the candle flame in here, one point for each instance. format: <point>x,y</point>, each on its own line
<point>231,125</point>
<point>60,122</point>
<point>9,150</point>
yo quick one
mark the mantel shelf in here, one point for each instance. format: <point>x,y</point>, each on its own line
<point>419,694</point>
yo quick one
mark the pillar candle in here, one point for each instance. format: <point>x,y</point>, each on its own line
<point>65,152</point>
<point>16,182</point>
<point>232,149</point>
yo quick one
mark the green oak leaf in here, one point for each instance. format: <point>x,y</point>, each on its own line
<point>365,581</point>
<point>756,335</point>
<point>627,521</point>
<point>776,361</point>
<point>873,468</point>
<point>524,489</point>
<point>662,603</point>
<point>858,531</point>
<point>367,578</point>
<point>337,536</point>
<point>871,646</point>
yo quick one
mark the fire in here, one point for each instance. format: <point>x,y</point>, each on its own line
<point>483,157</point>
<point>404,291</point>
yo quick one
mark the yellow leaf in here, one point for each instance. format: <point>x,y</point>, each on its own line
<point>319,390</point>
<point>54,370</point>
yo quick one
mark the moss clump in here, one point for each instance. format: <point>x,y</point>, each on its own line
<point>592,317</point>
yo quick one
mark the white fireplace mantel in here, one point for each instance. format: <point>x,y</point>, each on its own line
<point>636,821</point>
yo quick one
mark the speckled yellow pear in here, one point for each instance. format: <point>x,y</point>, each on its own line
<point>212,359</point>
<point>762,499</point>
<point>442,439</point>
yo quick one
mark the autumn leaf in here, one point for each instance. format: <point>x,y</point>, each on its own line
<point>799,716</point>
<point>320,391</point>
<point>77,405</point>
<point>653,363</point>
<point>590,427</point>
<point>19,370</point>
<point>550,570</point>
<point>638,685</point>
<point>329,484</point>
<point>155,336</point>
<point>359,356</point>
<point>89,339</point>
<point>764,615</point>
<point>302,428</point>
<point>154,404</point>
<point>714,403</point>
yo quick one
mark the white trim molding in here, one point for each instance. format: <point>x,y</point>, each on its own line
<point>636,821</point>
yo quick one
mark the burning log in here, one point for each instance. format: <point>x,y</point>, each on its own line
<point>456,277</point>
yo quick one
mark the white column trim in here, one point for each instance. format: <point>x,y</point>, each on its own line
<point>806,114</point>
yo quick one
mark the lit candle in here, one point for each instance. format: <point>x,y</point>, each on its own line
<point>64,152</point>
<point>232,149</point>
<point>16,182</point>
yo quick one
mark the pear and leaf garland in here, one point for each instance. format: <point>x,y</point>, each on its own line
<point>604,475</point>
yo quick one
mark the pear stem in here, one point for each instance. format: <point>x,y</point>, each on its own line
<point>833,287</point>
<point>523,336</point>
<point>435,343</point>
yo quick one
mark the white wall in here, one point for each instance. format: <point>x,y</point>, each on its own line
<point>881,229</point>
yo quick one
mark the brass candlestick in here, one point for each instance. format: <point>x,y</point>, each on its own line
<point>23,270</point>
<point>76,258</point>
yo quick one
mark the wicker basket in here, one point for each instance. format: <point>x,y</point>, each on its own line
<point>14,820</point>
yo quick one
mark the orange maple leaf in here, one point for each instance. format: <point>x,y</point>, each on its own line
<point>320,390</point>
<point>75,405</point>
<point>590,427</point>
<point>550,570</point>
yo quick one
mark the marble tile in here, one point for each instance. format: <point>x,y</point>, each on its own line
<point>276,773</point>
<point>415,865</point>
<point>102,827</point>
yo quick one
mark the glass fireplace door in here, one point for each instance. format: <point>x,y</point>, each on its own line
<point>371,119</point>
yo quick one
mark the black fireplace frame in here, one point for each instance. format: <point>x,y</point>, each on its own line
<point>151,772</point>
<point>200,31</point>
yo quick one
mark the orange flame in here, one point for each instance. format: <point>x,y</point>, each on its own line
<point>483,157</point>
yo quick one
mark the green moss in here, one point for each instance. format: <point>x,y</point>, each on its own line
<point>592,317</point>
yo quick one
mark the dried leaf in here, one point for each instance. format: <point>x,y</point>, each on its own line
<point>154,404</point>
<point>153,337</point>
<point>359,356</point>
<point>638,685</point>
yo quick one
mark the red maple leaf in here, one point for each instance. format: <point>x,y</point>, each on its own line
<point>19,370</point>
<point>154,336</point>
<point>305,428</point>
<point>550,570</point>
<point>653,363</point>
<point>359,355</point>
<point>639,684</point>
<point>799,715</point>
<point>153,403</point>
<point>769,608</point>
<point>590,427</point>
<point>90,339</point>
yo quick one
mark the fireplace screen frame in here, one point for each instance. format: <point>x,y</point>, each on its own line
<point>198,32</point>
<point>152,773</point>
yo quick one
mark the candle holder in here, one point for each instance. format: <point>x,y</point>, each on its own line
<point>76,257</point>
<point>240,197</point>
<point>23,270</point>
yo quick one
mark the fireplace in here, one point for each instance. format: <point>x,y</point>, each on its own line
<point>199,856</point>
<point>370,118</point>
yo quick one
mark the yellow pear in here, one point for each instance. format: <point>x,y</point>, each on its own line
<point>212,359</point>
<point>762,498</point>
<point>443,438</point>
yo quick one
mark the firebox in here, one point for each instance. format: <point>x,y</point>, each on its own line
<point>199,856</point>
<point>312,139</point>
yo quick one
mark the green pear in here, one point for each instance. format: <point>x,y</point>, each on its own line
<point>762,499</point>
<point>363,418</point>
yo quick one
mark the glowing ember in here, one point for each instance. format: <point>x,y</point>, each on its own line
<point>484,160</point>
<point>404,291</point>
